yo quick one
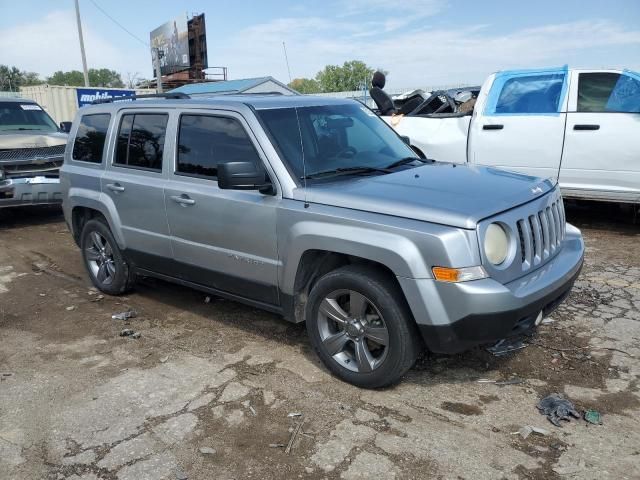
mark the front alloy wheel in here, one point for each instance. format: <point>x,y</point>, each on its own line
<point>99,255</point>
<point>360,325</point>
<point>353,331</point>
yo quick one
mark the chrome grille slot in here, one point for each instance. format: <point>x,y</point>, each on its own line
<point>541,234</point>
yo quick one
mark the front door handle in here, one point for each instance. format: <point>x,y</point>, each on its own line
<point>183,200</point>
<point>586,127</point>
<point>115,187</point>
<point>493,127</point>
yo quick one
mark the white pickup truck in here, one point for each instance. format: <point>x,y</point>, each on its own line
<point>578,127</point>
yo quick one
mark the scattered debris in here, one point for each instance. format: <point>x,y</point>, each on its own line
<point>527,430</point>
<point>294,435</point>
<point>505,346</point>
<point>555,407</point>
<point>70,308</point>
<point>547,321</point>
<point>124,315</point>
<point>127,332</point>
<point>181,474</point>
<point>570,469</point>
<point>136,336</point>
<point>42,294</point>
<point>164,359</point>
<point>277,445</point>
<point>97,298</point>
<point>207,299</point>
<point>253,410</point>
<point>502,383</point>
<point>6,374</point>
<point>294,414</point>
<point>207,451</point>
<point>593,417</point>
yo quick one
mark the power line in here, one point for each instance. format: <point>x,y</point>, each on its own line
<point>118,23</point>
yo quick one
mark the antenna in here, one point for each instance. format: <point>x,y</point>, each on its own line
<point>286,59</point>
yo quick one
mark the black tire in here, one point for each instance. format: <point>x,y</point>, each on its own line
<point>120,280</point>
<point>384,298</point>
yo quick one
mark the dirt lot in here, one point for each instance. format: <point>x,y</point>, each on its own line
<point>206,391</point>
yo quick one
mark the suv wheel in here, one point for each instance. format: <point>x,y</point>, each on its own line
<point>103,259</point>
<point>361,328</point>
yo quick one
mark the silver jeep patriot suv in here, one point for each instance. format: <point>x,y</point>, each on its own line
<point>316,209</point>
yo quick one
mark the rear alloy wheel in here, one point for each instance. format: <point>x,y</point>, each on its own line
<point>360,326</point>
<point>105,263</point>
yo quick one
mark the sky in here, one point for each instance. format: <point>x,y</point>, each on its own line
<point>419,42</point>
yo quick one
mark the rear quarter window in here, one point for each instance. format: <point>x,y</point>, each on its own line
<point>608,92</point>
<point>88,145</point>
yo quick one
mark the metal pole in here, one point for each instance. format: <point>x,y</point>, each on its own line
<point>286,59</point>
<point>84,58</point>
<point>156,63</point>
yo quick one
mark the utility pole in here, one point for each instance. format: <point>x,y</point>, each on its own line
<point>286,59</point>
<point>84,58</point>
<point>155,53</point>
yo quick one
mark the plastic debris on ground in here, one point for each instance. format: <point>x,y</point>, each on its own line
<point>124,315</point>
<point>547,321</point>
<point>593,417</point>
<point>505,346</point>
<point>527,430</point>
<point>127,332</point>
<point>555,407</point>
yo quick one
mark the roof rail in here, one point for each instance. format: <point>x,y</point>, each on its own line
<point>168,96</point>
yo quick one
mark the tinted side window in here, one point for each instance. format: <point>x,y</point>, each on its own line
<point>92,133</point>
<point>608,92</point>
<point>205,141</point>
<point>141,140</point>
<point>531,94</point>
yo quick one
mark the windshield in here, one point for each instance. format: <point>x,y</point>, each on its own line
<point>25,116</point>
<point>313,140</point>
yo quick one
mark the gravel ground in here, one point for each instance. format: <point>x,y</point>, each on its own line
<point>207,390</point>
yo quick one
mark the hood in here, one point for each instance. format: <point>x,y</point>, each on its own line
<point>10,140</point>
<point>443,193</point>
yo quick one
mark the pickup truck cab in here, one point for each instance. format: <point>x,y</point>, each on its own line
<point>580,128</point>
<point>315,209</point>
<point>31,153</point>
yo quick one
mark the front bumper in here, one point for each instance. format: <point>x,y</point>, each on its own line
<point>453,317</point>
<point>30,191</point>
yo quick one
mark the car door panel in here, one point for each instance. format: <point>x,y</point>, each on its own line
<point>519,122</point>
<point>138,196</point>
<point>601,156</point>
<point>223,239</point>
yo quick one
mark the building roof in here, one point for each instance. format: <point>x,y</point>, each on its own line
<point>226,87</point>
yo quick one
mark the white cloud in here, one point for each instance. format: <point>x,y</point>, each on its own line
<point>50,43</point>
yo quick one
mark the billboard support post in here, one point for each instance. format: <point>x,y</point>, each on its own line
<point>156,64</point>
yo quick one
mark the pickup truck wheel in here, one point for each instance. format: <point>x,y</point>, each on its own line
<point>103,259</point>
<point>360,327</point>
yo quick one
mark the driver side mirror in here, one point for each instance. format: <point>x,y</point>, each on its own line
<point>406,139</point>
<point>65,127</point>
<point>243,176</point>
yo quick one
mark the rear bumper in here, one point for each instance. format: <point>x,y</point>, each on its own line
<point>453,317</point>
<point>30,191</point>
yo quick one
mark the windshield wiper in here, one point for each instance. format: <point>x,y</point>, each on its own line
<point>405,161</point>
<point>347,171</point>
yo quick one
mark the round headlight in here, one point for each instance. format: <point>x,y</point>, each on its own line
<point>496,244</point>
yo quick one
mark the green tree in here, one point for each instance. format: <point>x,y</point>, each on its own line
<point>350,76</point>
<point>12,78</point>
<point>305,85</point>
<point>102,77</point>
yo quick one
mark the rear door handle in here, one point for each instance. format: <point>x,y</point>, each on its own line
<point>586,127</point>
<point>183,199</point>
<point>492,127</point>
<point>115,187</point>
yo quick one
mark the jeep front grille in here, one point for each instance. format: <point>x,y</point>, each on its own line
<point>541,234</point>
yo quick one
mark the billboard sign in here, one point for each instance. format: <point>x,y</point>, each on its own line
<point>172,42</point>
<point>86,96</point>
